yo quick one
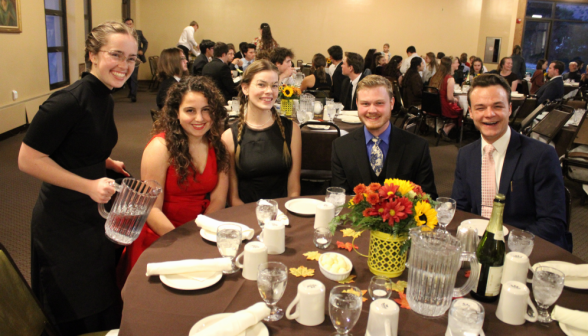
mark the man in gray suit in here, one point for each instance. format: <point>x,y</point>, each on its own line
<point>133,81</point>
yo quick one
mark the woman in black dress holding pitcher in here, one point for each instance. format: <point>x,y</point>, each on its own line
<point>264,148</point>
<point>68,147</point>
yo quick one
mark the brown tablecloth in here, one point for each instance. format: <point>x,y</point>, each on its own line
<point>151,308</point>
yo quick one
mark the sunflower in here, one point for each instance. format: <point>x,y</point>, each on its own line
<point>403,186</point>
<point>424,214</point>
<point>288,92</point>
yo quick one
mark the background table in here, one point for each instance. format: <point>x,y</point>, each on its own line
<point>151,308</point>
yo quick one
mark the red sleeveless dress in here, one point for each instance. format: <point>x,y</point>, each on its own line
<point>181,204</point>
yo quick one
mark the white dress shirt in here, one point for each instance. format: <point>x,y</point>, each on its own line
<point>501,145</point>
<point>187,40</point>
<point>354,85</point>
<point>406,63</point>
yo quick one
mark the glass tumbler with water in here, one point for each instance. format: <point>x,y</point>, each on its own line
<point>266,210</point>
<point>521,241</point>
<point>131,207</point>
<point>435,258</point>
<point>344,308</point>
<point>548,284</point>
<point>272,278</point>
<point>466,317</point>
<point>445,208</point>
<point>228,240</point>
<point>336,196</point>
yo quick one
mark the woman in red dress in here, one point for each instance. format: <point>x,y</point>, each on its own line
<point>449,106</point>
<point>187,157</point>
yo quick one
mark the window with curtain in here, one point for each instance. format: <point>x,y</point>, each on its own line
<point>555,31</point>
<point>57,55</point>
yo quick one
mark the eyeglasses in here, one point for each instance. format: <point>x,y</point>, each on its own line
<point>119,56</point>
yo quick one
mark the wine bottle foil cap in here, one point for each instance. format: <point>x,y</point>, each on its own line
<point>500,198</point>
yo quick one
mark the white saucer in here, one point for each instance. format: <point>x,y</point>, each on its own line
<point>572,331</point>
<point>302,206</point>
<point>179,281</point>
<point>480,224</point>
<point>571,282</point>
<point>256,330</point>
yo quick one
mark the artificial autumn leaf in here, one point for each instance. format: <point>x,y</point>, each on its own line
<point>302,272</point>
<point>347,280</point>
<point>314,255</point>
<point>351,233</point>
<point>346,246</point>
<point>399,286</point>
<point>363,298</point>
<point>467,274</point>
<point>351,291</point>
<point>402,301</point>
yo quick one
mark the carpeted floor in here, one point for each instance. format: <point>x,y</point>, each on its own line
<point>18,191</point>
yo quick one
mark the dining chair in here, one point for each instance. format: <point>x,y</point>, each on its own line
<point>153,66</point>
<point>316,151</point>
<point>299,63</point>
<point>575,104</point>
<point>20,311</point>
<point>524,126</point>
<point>551,124</point>
<point>523,87</point>
<point>575,162</point>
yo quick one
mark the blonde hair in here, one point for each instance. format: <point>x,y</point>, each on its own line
<point>252,70</point>
<point>98,37</point>
<point>372,81</point>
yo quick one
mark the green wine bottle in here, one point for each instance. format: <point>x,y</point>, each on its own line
<point>490,255</point>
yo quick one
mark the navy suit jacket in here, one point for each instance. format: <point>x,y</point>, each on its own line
<point>345,98</point>
<point>221,74</point>
<point>408,158</point>
<point>552,90</point>
<point>337,80</point>
<point>531,180</point>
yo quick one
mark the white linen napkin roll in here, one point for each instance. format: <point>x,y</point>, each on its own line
<point>579,271</point>
<point>211,225</point>
<point>237,322</point>
<point>571,318</point>
<point>188,266</point>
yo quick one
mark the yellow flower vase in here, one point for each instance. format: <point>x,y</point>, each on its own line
<point>384,256</point>
<point>286,107</point>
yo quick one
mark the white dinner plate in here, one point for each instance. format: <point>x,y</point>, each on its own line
<point>184,282</point>
<point>480,224</point>
<point>449,333</point>
<point>349,113</point>
<point>351,120</point>
<point>302,206</point>
<point>321,127</point>
<point>256,330</point>
<point>572,282</point>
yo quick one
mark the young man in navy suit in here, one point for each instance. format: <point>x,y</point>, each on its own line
<point>554,89</point>
<point>503,161</point>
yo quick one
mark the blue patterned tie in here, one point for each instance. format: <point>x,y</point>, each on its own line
<point>377,157</point>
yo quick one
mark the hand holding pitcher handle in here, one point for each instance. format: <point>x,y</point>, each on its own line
<point>473,279</point>
<point>101,209</point>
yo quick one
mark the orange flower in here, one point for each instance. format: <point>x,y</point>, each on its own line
<point>370,212</point>
<point>359,189</point>
<point>374,186</point>
<point>357,198</point>
<point>373,198</point>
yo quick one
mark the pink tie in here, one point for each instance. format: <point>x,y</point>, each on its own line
<point>488,181</point>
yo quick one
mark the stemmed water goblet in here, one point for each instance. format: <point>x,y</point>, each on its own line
<point>266,210</point>
<point>548,284</point>
<point>344,308</point>
<point>228,240</point>
<point>272,278</point>
<point>521,241</point>
<point>445,208</point>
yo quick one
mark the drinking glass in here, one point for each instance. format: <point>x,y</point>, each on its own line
<point>380,287</point>
<point>329,101</point>
<point>548,283</point>
<point>445,208</point>
<point>336,196</point>
<point>301,115</point>
<point>272,278</point>
<point>466,317</point>
<point>331,112</point>
<point>322,237</point>
<point>344,308</point>
<point>521,241</point>
<point>266,210</point>
<point>228,240</point>
<point>469,239</point>
<point>235,104</point>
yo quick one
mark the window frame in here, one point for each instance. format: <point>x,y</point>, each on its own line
<point>63,49</point>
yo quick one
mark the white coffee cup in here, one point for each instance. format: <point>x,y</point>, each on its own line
<point>310,302</point>
<point>512,305</point>
<point>318,107</point>
<point>274,237</point>
<point>516,266</point>
<point>253,254</point>
<point>325,212</point>
<point>383,318</point>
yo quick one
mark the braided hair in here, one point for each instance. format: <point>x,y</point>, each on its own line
<point>252,70</point>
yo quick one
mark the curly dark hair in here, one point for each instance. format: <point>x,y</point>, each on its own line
<point>175,137</point>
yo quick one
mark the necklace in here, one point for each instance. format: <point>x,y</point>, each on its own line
<point>259,126</point>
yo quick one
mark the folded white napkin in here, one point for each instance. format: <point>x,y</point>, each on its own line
<point>349,113</point>
<point>579,271</point>
<point>211,225</point>
<point>188,266</point>
<point>350,119</point>
<point>573,319</point>
<point>237,322</point>
<point>324,127</point>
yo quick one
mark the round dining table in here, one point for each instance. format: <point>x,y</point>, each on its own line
<point>152,308</point>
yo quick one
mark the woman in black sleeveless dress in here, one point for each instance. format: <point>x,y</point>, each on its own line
<point>68,146</point>
<point>264,148</point>
<point>319,80</point>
